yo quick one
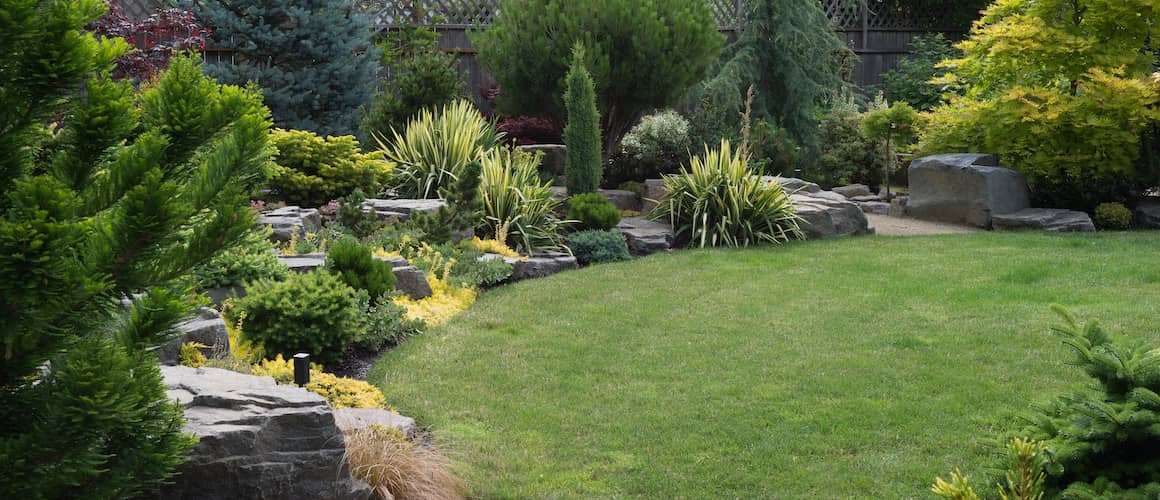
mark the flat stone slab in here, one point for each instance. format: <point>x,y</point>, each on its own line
<point>875,207</point>
<point>303,263</point>
<point>356,419</point>
<point>1046,219</point>
<point>402,208</point>
<point>646,236</point>
<point>287,222</point>
<point>539,266</point>
<point>853,190</point>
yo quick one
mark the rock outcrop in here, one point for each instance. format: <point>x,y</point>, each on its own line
<point>287,222</point>
<point>257,440</point>
<point>646,236</point>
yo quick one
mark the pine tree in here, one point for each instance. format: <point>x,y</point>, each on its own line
<point>313,58</point>
<point>129,193</point>
<point>582,166</point>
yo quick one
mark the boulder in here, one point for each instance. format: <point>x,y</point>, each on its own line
<point>646,236</point>
<point>303,263</point>
<point>554,157</point>
<point>1047,219</point>
<point>964,189</point>
<point>219,295</point>
<point>1147,213</point>
<point>853,190</point>
<point>875,207</point>
<point>542,265</point>
<point>400,209</point>
<point>354,419</point>
<point>207,328</point>
<point>413,282</point>
<point>654,191</point>
<point>287,222</point>
<point>257,440</point>
<point>823,217</point>
<point>793,184</point>
<point>868,198</point>
<point>622,200</point>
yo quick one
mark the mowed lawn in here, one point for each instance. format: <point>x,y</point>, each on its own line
<point>849,368</point>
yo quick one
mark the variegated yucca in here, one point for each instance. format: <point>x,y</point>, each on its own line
<point>518,208</point>
<point>436,146</point>
<point>719,202</point>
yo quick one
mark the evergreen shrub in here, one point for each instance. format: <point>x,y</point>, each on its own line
<point>312,170</point>
<point>582,165</point>
<point>1113,216</point>
<point>252,259</point>
<point>315,313</point>
<point>597,247</point>
<point>357,266</point>
<point>593,211</point>
<point>654,147</point>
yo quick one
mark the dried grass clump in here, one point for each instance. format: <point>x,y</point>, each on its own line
<point>398,469</point>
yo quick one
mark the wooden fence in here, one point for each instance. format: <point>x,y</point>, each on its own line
<point>878,34</point>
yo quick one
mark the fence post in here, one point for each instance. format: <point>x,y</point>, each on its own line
<point>865,25</point>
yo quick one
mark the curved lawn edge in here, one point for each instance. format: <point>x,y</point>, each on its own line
<point>857,367</point>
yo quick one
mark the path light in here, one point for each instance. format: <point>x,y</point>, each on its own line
<point>301,369</point>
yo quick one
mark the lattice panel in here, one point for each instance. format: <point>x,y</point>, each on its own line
<point>884,15</point>
<point>481,12</point>
<point>140,9</point>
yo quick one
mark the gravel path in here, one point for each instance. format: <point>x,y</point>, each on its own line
<point>905,226</point>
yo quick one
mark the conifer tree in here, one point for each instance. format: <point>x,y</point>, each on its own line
<point>582,166</point>
<point>314,59</point>
<point>790,53</point>
<point>102,213</point>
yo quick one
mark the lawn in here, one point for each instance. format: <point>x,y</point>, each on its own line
<point>848,368</point>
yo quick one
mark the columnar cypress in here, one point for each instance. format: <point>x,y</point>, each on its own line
<point>314,59</point>
<point>582,166</point>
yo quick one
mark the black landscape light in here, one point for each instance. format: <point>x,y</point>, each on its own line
<point>301,369</point>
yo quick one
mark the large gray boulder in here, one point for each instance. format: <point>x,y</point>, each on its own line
<point>1147,213</point>
<point>1046,219</point>
<point>207,328</point>
<point>622,200</point>
<point>964,189</point>
<point>287,222</point>
<point>646,236</point>
<point>412,281</point>
<point>826,217</point>
<point>400,209</point>
<point>257,440</point>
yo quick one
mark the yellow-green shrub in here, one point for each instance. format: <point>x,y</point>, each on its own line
<point>312,170</point>
<point>340,392</point>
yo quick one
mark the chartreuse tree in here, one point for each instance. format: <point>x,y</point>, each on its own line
<point>107,198</point>
<point>1061,90</point>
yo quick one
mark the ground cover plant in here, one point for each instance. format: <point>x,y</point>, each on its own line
<point>848,368</point>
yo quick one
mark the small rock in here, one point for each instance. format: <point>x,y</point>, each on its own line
<point>402,208</point>
<point>355,419</point>
<point>413,282</point>
<point>898,207</point>
<point>207,328</point>
<point>853,190</point>
<point>394,261</point>
<point>646,236</point>
<point>1047,219</point>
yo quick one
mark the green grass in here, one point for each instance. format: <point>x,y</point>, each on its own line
<point>850,368</point>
